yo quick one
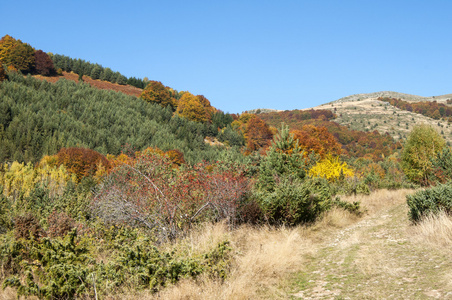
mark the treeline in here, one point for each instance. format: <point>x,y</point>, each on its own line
<point>429,109</point>
<point>39,118</point>
<point>95,71</point>
<point>354,143</point>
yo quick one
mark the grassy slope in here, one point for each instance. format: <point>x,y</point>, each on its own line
<point>372,114</point>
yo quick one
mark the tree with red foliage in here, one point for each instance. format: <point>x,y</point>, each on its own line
<point>81,161</point>
<point>44,64</point>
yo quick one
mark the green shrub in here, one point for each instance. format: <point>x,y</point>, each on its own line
<point>121,258</point>
<point>294,201</point>
<point>430,201</point>
<point>352,207</point>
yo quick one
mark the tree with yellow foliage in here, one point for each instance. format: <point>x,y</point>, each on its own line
<point>156,92</point>
<point>17,54</point>
<point>194,108</point>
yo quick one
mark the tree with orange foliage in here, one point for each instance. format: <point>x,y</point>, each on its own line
<point>156,92</point>
<point>317,139</point>
<point>257,134</point>
<point>83,162</point>
<point>194,108</point>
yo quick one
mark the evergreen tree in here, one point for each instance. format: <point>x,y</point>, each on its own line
<point>106,75</point>
<point>96,71</point>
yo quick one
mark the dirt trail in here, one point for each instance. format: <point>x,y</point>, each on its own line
<point>376,259</point>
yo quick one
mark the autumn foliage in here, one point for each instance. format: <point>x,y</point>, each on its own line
<point>257,134</point>
<point>156,92</point>
<point>83,162</point>
<point>332,169</point>
<point>318,140</point>
<point>354,143</point>
<point>431,109</point>
<point>166,200</point>
<point>44,64</point>
<point>2,73</point>
<point>195,108</point>
<point>17,54</point>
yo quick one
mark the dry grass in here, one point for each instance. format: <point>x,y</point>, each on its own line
<point>380,199</point>
<point>435,230</point>
<point>369,114</point>
<point>262,257</point>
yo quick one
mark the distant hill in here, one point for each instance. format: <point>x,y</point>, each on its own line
<point>389,94</point>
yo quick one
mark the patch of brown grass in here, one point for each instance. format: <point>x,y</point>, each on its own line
<point>103,85</point>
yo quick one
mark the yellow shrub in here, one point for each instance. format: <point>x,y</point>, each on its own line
<point>331,168</point>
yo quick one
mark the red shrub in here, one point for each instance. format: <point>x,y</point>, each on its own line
<point>153,194</point>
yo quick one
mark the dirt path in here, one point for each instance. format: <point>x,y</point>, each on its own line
<point>376,259</point>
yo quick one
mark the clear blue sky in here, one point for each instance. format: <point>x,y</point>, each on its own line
<point>252,54</point>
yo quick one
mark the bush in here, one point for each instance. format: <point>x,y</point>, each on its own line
<point>59,224</point>
<point>67,267</point>
<point>152,194</point>
<point>430,201</point>
<point>294,201</point>
<point>27,227</point>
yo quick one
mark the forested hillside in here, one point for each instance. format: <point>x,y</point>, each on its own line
<point>38,118</point>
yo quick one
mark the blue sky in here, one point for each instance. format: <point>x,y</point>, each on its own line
<point>243,55</point>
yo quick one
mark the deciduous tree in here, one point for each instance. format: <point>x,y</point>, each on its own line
<point>17,54</point>
<point>156,92</point>
<point>44,64</point>
<point>422,146</point>
<point>317,139</point>
<point>192,108</point>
